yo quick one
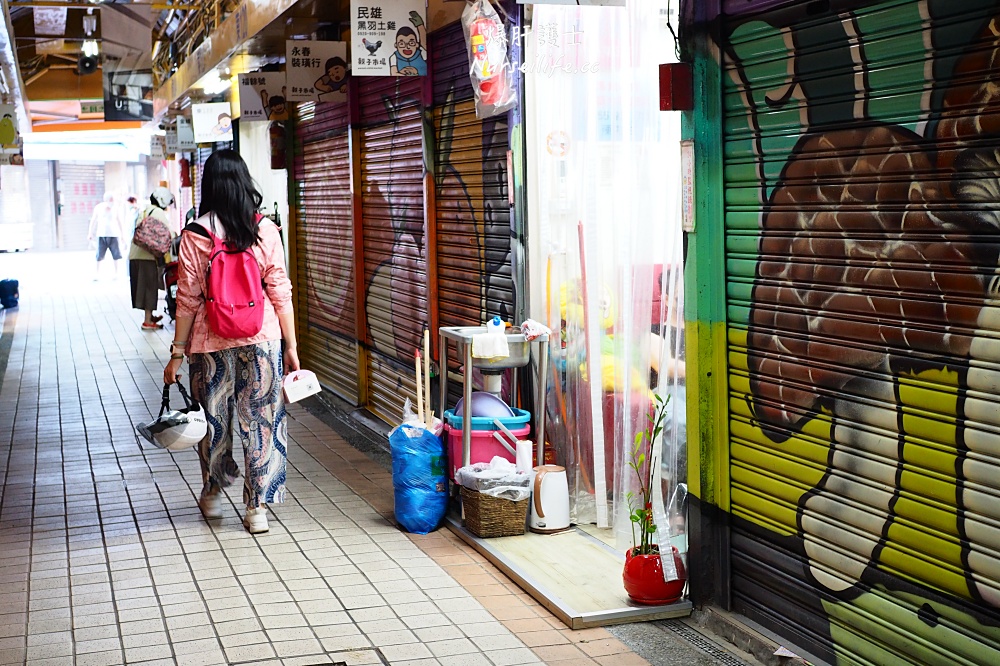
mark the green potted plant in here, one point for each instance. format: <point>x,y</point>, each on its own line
<point>643,573</point>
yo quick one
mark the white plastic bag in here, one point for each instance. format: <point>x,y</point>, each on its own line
<point>489,62</point>
<point>497,478</point>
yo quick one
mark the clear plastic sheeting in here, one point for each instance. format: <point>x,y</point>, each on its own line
<point>607,234</point>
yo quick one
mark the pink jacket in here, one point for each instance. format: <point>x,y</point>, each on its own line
<point>194,254</point>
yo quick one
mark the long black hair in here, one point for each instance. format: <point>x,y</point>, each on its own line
<point>228,191</point>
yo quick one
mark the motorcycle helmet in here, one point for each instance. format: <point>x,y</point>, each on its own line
<point>176,429</point>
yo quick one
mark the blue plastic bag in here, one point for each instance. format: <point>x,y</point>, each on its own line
<point>419,478</point>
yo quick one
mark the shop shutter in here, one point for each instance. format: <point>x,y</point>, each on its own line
<point>473,213</point>
<point>394,249</point>
<point>199,157</point>
<point>81,188</point>
<point>325,247</point>
<point>861,256</point>
<point>42,204</point>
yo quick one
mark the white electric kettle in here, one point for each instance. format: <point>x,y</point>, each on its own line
<point>549,500</point>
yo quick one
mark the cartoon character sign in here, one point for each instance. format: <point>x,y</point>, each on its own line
<point>263,97</point>
<point>212,122</point>
<point>8,129</point>
<point>316,71</point>
<point>388,39</point>
<point>335,77</point>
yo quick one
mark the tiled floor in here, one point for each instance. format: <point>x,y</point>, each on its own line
<point>106,559</point>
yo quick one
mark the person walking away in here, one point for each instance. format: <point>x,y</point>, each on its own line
<point>106,228</point>
<point>237,380</point>
<point>143,267</point>
<point>132,211</point>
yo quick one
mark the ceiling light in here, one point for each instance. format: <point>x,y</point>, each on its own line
<point>89,24</point>
<point>90,48</point>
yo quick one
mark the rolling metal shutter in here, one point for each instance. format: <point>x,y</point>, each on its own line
<point>392,171</point>
<point>862,241</point>
<point>473,213</point>
<point>325,247</point>
<point>198,159</point>
<point>42,200</point>
<point>81,188</point>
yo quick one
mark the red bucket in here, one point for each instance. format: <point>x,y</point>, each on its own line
<point>482,448</point>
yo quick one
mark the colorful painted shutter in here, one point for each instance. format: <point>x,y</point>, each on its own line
<point>862,246</point>
<point>473,213</point>
<point>324,247</point>
<point>395,252</point>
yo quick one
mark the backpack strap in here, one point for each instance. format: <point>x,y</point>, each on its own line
<point>197,229</point>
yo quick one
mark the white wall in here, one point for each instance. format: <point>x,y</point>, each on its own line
<point>255,147</point>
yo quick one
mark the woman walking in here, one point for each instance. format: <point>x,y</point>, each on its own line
<point>143,271</point>
<point>237,380</point>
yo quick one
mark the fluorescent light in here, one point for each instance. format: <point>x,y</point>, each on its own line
<point>90,48</point>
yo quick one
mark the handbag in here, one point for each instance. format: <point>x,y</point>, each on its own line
<point>152,235</point>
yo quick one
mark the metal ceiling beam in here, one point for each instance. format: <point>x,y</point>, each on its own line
<point>159,6</point>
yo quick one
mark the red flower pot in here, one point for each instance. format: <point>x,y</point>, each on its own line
<point>643,577</point>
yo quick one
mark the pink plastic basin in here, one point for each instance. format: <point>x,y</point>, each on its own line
<point>483,447</point>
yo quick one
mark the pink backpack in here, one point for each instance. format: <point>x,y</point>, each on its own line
<point>234,292</point>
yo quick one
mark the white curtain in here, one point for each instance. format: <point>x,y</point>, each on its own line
<point>604,185</point>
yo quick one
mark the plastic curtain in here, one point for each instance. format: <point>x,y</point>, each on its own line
<point>607,168</point>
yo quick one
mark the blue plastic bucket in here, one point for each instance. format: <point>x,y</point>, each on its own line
<point>519,420</point>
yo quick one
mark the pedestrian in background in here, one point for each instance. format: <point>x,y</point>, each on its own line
<point>106,229</point>
<point>236,380</point>
<point>145,276</point>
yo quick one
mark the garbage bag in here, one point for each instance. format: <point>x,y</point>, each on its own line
<point>419,478</point>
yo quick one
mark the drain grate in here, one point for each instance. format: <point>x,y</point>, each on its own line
<point>696,639</point>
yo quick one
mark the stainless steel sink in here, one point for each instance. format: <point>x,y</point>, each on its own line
<point>520,355</point>
<point>520,348</point>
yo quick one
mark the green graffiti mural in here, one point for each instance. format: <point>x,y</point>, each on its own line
<point>863,235</point>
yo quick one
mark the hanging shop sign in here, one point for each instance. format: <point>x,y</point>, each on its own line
<point>263,97</point>
<point>316,71</point>
<point>180,137</point>
<point>213,122</point>
<point>388,38</point>
<point>12,158</point>
<point>128,94</point>
<point>92,107</point>
<point>582,3</point>
<point>158,146</point>
<point>9,138</point>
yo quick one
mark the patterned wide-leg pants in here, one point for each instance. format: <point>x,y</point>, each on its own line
<point>240,391</point>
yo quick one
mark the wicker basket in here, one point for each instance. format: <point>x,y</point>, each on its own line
<point>487,516</point>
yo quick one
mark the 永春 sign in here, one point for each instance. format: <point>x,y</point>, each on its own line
<point>388,38</point>
<point>316,71</point>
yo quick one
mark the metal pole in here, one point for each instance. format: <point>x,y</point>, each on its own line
<point>443,374</point>
<point>467,406</point>
<point>543,373</point>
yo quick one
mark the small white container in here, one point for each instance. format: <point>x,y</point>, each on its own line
<point>300,384</point>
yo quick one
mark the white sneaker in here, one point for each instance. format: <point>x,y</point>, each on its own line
<point>211,506</point>
<point>256,520</point>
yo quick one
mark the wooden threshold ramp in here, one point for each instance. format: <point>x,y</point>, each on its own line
<point>574,574</point>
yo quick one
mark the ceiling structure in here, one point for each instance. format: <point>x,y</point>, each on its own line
<point>194,48</point>
<point>65,47</point>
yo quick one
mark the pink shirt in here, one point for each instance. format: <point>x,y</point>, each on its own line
<point>194,253</point>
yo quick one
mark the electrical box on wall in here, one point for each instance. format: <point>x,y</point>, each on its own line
<point>676,90</point>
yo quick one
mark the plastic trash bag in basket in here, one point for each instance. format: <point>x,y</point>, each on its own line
<point>419,478</point>
<point>176,429</point>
